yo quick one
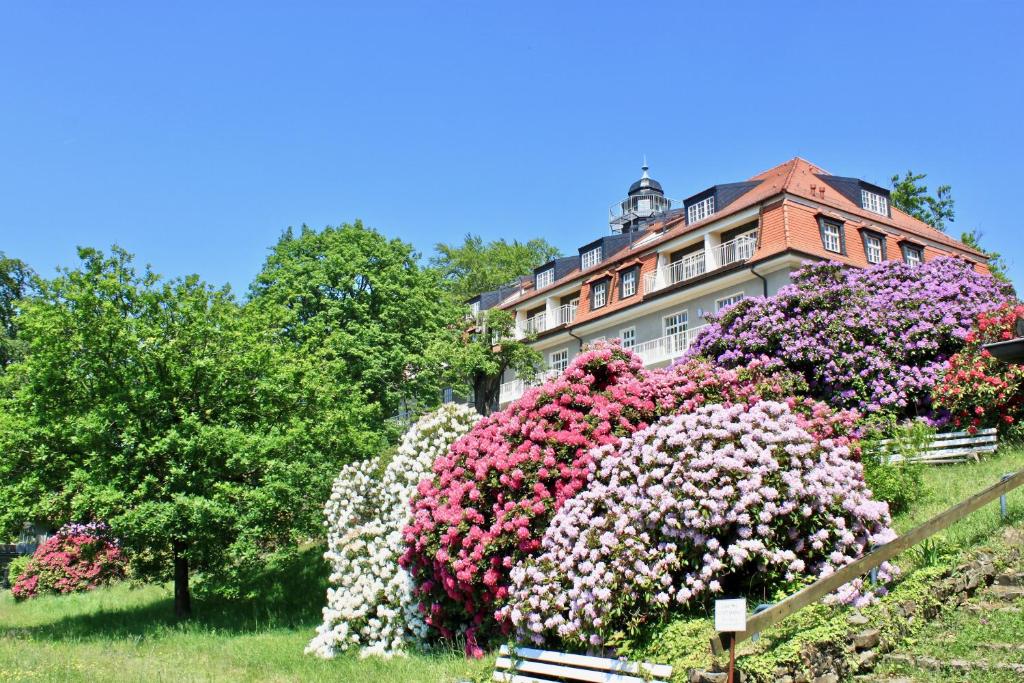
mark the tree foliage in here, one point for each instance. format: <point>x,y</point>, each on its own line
<point>361,320</point>
<point>487,352</point>
<point>475,266</point>
<point>910,195</point>
<point>16,281</point>
<point>996,264</point>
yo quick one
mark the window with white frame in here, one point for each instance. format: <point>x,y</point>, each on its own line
<point>627,283</point>
<point>545,278</point>
<point>590,258</point>
<point>700,210</point>
<point>874,202</point>
<point>912,255</point>
<point>728,301</point>
<point>831,236</point>
<point>599,294</point>
<point>559,360</point>
<point>873,248</point>
<point>628,337</point>
<point>474,308</point>
<point>675,323</point>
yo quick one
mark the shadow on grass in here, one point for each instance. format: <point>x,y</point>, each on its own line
<point>292,595</point>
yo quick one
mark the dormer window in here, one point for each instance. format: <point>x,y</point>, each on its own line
<point>874,202</point>
<point>590,258</point>
<point>598,294</point>
<point>832,237</point>
<point>700,210</point>
<point>912,254</point>
<point>544,278</point>
<point>874,247</point>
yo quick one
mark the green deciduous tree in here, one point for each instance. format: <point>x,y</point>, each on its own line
<point>16,281</point>
<point>147,403</point>
<point>475,266</point>
<point>487,352</point>
<point>361,319</point>
<point>996,264</point>
<point>911,196</point>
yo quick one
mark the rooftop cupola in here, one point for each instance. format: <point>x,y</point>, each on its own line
<point>644,199</point>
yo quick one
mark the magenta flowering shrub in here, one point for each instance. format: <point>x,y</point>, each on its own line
<point>79,557</point>
<point>493,494</point>
<point>874,339</point>
<point>722,500</point>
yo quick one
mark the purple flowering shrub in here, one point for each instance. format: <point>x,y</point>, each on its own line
<point>874,339</point>
<point>722,500</point>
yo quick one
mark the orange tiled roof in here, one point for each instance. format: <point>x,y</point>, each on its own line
<point>788,228</point>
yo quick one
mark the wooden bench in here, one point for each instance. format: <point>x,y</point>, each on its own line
<point>947,448</point>
<point>527,665</point>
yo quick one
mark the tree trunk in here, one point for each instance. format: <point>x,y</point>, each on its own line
<point>182,597</point>
<point>486,390</point>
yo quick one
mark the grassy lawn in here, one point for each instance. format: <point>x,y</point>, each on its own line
<point>128,634</point>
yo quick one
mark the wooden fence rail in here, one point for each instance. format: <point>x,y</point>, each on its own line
<point>822,587</point>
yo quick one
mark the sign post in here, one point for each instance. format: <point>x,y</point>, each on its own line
<point>731,617</point>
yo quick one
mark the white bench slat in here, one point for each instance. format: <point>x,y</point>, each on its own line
<point>955,451</point>
<point>600,665</point>
<point>987,432</point>
<point>513,678</point>
<point>986,440</point>
<point>555,671</point>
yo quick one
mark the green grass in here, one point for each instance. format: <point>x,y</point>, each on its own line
<point>947,485</point>
<point>129,634</point>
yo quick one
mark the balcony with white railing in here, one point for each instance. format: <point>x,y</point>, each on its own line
<point>510,391</point>
<point>563,315</point>
<point>689,267</point>
<point>666,348</point>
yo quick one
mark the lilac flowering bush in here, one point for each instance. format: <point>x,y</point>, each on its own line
<point>722,500</point>
<point>874,339</point>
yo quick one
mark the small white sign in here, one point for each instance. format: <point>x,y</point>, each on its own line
<point>731,615</point>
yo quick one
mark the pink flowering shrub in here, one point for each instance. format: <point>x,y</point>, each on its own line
<point>78,558</point>
<point>723,500</point>
<point>492,496</point>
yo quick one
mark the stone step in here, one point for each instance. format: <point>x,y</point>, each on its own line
<point>985,606</point>
<point>964,666</point>
<point>1002,647</point>
<point>1010,579</point>
<point>1007,593</point>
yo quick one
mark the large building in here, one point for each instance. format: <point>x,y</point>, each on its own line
<point>665,265</point>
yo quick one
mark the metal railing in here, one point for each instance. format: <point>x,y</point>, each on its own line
<point>668,347</point>
<point>563,315</point>
<point>727,253</point>
<point>510,391</point>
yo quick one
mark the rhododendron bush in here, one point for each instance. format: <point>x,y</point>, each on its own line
<point>494,493</point>
<point>79,557</point>
<point>977,389</point>
<point>371,605</point>
<point>874,339</point>
<point>722,500</point>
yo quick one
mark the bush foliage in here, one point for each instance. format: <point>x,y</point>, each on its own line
<point>979,390</point>
<point>370,603</point>
<point>722,500</point>
<point>873,339</point>
<point>79,557</point>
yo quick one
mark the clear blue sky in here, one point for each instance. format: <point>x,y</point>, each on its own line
<point>192,134</point>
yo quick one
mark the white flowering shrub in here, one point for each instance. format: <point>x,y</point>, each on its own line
<point>370,604</point>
